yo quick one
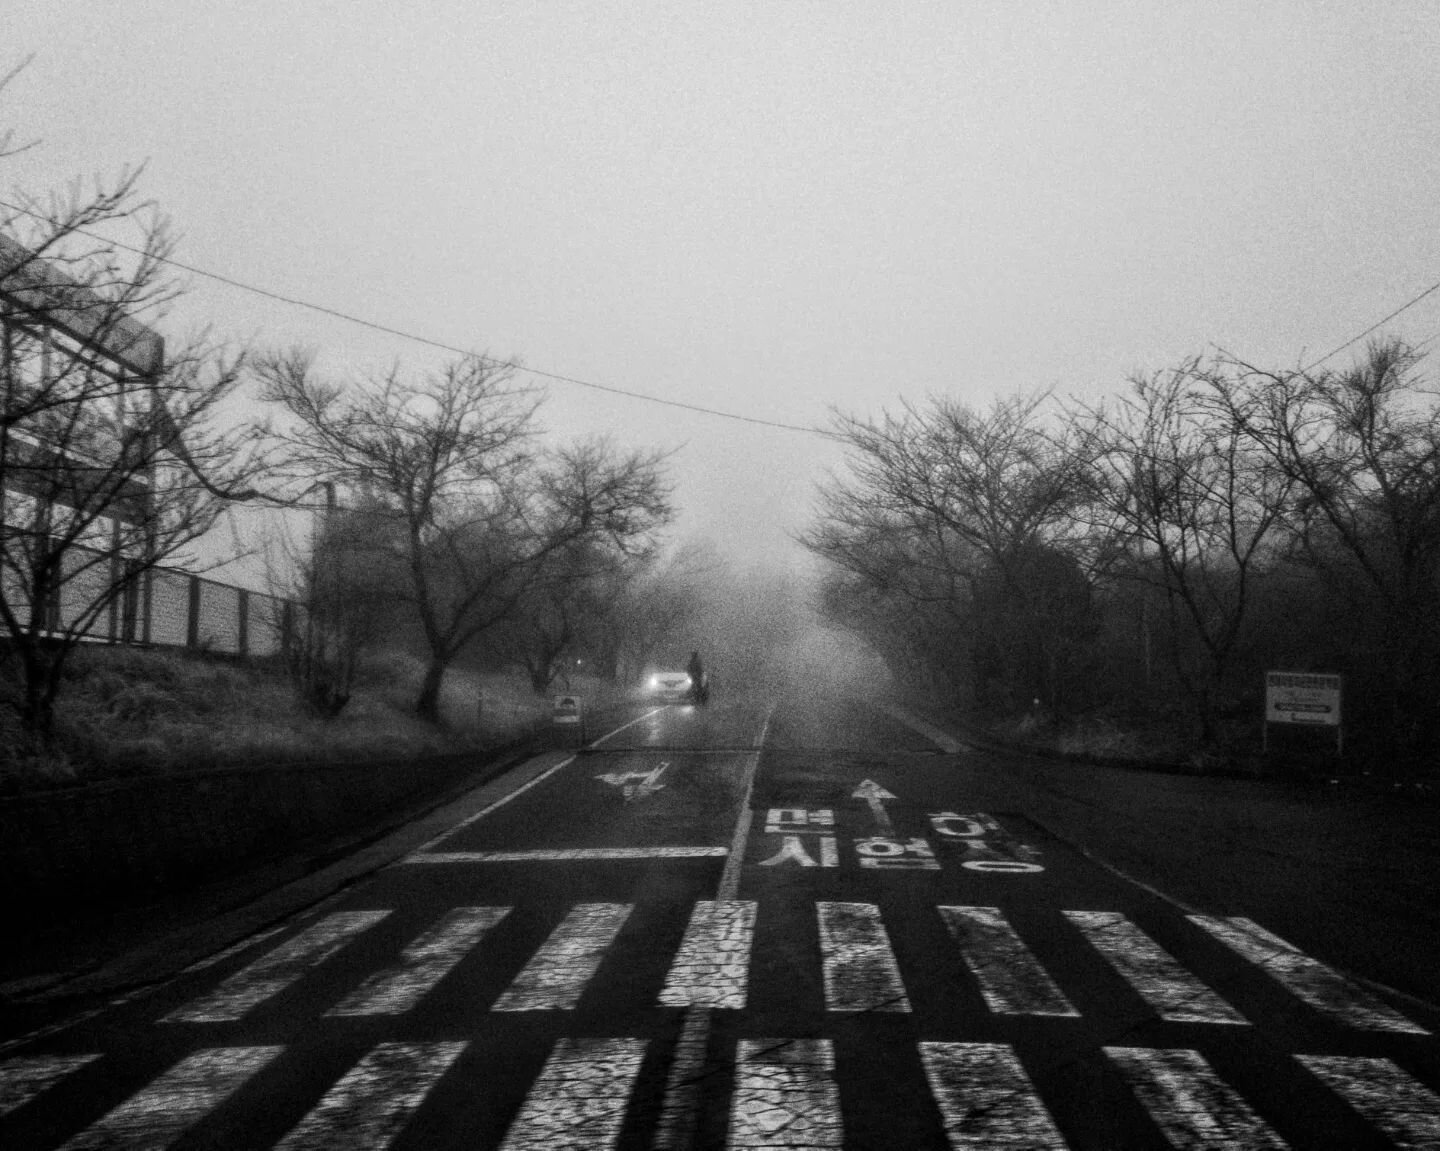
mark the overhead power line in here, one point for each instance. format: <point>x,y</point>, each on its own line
<point>295,301</point>
<point>1405,307</point>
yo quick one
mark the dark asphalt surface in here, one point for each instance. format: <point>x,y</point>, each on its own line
<point>519,975</point>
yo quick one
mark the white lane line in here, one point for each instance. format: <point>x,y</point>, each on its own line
<point>422,964</point>
<point>578,1101</point>
<point>680,1106</point>
<point>1400,1106</point>
<point>157,1116</point>
<point>712,967</point>
<point>986,1099</point>
<point>24,1078</point>
<point>785,1095</point>
<point>1310,980</point>
<point>273,972</point>
<point>1174,993</point>
<point>1189,1102</point>
<point>1010,977</point>
<point>523,788</point>
<point>374,1099</point>
<point>859,966</point>
<point>566,855</point>
<point>557,973</point>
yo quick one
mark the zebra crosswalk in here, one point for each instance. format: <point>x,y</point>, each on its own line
<point>858,965</point>
<point>784,1093</point>
<point>778,1090</point>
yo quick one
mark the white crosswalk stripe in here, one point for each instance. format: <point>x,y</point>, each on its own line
<point>1011,979</point>
<point>1384,1095</point>
<point>162,1112</point>
<point>1308,979</point>
<point>374,1099</point>
<point>578,1100</point>
<point>1189,1102</point>
<point>859,966</point>
<point>985,1098</point>
<point>556,975</point>
<point>422,965</point>
<point>785,1095</point>
<point>24,1078</point>
<point>712,967</point>
<point>1173,992</point>
<point>273,972</point>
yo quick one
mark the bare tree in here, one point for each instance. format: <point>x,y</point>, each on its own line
<point>478,507</point>
<point>949,507</point>
<point>1192,505</point>
<point>112,455</point>
<point>1361,449</point>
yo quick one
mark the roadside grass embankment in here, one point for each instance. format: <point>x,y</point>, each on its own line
<point>129,713</point>
<point>172,770</point>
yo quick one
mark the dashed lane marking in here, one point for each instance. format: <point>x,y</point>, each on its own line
<point>278,969</point>
<point>374,1099</point>
<point>859,966</point>
<point>1400,1106</point>
<point>1173,992</point>
<point>578,1100</point>
<point>1308,979</point>
<point>422,965</point>
<point>1189,1102</point>
<point>159,1114</point>
<point>986,1100</point>
<point>785,1095</point>
<point>1010,978</point>
<point>713,963</point>
<point>24,1078</point>
<point>556,975</point>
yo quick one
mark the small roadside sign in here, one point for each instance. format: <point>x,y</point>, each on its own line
<point>1309,699</point>
<point>567,719</point>
<point>1300,697</point>
<point>566,710</point>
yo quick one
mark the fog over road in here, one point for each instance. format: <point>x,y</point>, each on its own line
<point>803,922</point>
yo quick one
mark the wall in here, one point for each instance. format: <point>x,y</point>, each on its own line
<point>124,840</point>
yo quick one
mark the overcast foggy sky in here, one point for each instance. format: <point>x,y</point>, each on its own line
<point>766,208</point>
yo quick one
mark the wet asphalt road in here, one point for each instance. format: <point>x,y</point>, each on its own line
<point>800,923</point>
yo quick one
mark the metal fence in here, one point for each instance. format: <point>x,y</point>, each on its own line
<point>171,608</point>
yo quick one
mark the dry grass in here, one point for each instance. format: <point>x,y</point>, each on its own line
<point>127,712</point>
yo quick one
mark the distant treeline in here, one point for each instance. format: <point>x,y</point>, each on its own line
<point>1151,556</point>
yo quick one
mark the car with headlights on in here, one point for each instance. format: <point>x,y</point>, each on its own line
<point>668,686</point>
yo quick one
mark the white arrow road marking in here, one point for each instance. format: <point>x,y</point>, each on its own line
<point>278,969</point>
<point>1175,994</point>
<point>374,1099</point>
<point>985,1098</point>
<point>579,1098</point>
<point>859,966</point>
<point>785,1095</point>
<point>1189,1102</point>
<point>713,963</point>
<point>636,784</point>
<point>557,973</point>
<point>23,1079</point>
<point>422,965</point>
<point>1010,977</point>
<point>155,1117</point>
<point>1400,1106</point>
<point>1322,987</point>
<point>872,793</point>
